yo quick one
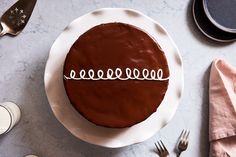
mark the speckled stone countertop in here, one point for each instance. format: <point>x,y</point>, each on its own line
<point>22,63</point>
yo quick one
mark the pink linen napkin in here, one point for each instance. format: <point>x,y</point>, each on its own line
<point>222,120</point>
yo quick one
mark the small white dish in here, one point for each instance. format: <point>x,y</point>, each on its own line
<point>9,116</point>
<point>72,120</point>
<point>5,120</point>
<point>31,156</point>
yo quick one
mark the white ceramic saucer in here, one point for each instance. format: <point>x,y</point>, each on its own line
<point>78,125</point>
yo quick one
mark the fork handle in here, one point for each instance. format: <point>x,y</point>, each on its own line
<point>178,154</point>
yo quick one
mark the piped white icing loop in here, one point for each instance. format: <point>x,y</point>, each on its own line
<point>116,74</point>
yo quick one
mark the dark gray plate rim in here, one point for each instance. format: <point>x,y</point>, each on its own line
<point>200,28</point>
<point>223,28</point>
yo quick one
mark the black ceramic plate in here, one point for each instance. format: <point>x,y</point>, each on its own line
<point>207,27</point>
<point>222,13</point>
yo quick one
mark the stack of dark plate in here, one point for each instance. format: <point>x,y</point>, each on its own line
<point>216,19</point>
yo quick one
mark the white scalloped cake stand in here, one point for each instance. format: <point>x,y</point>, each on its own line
<point>78,125</point>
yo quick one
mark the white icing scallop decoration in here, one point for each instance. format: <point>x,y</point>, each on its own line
<point>74,122</point>
<point>116,74</point>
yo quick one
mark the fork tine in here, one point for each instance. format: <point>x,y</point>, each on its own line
<point>187,137</point>
<point>163,146</point>
<point>161,149</point>
<point>182,138</point>
<point>157,148</point>
<point>184,134</point>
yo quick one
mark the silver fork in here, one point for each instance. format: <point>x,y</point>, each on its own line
<point>162,151</point>
<point>16,17</point>
<point>183,141</point>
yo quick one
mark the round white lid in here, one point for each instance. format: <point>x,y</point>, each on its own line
<point>5,120</point>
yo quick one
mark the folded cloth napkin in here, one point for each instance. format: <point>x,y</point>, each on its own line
<point>222,99</point>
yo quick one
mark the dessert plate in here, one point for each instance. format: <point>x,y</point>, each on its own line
<point>207,27</point>
<point>221,14</point>
<point>72,120</point>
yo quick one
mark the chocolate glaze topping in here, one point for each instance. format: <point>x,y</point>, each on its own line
<point>115,103</point>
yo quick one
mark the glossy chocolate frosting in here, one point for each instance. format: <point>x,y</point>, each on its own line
<point>115,103</point>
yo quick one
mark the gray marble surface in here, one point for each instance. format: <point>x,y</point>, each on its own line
<point>22,63</point>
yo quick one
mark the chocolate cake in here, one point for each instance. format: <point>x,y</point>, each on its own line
<point>116,75</point>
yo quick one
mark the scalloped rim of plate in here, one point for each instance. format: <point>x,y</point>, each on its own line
<point>126,136</point>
